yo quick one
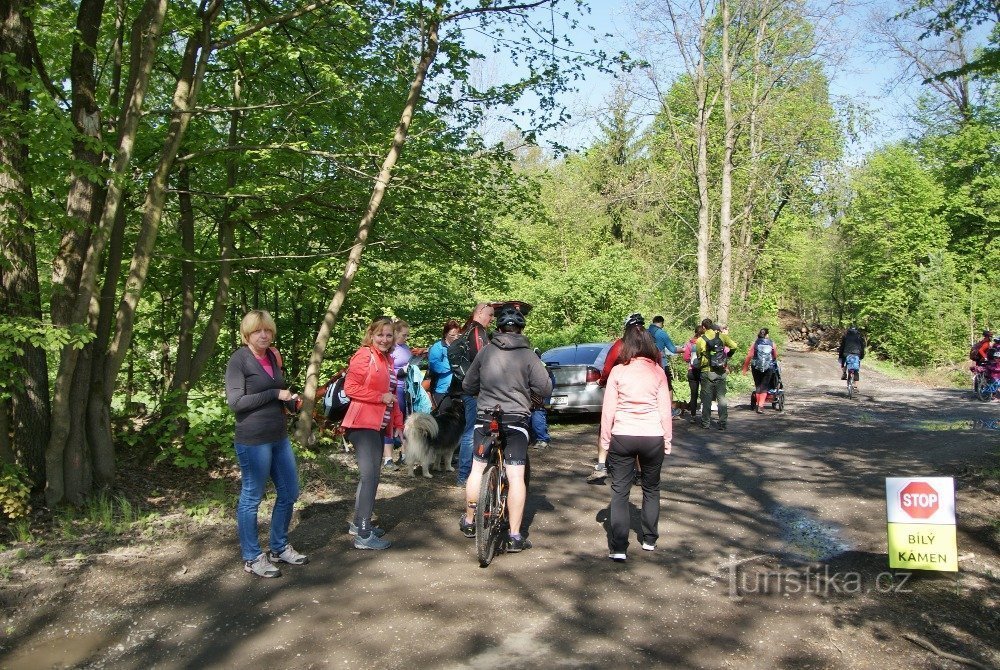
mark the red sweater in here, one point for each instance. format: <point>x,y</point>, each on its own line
<point>367,381</point>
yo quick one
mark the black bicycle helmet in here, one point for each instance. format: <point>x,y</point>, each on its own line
<point>635,319</point>
<point>509,316</point>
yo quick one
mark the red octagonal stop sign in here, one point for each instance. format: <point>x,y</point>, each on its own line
<point>919,500</point>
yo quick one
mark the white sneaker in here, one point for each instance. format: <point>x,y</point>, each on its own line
<point>648,547</point>
<point>290,556</point>
<point>620,557</point>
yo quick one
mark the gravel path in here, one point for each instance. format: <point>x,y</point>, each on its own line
<point>777,500</point>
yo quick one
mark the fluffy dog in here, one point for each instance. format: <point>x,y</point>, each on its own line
<point>432,439</point>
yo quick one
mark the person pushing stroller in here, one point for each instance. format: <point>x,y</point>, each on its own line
<point>762,359</point>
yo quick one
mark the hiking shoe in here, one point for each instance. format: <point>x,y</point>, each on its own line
<point>542,444</point>
<point>516,544</point>
<point>352,529</point>
<point>387,464</point>
<point>704,425</point>
<point>843,377</point>
<point>648,547</point>
<point>468,528</point>
<point>722,426</point>
<point>290,556</point>
<point>617,556</point>
<point>599,475</point>
<point>261,567</point>
<point>401,461</point>
<point>373,541</point>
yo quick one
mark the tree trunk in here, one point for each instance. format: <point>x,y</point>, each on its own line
<point>184,379</point>
<point>84,193</point>
<point>192,72</point>
<point>726,195</point>
<point>145,39</point>
<point>304,427</point>
<point>19,290</point>
<point>704,223</point>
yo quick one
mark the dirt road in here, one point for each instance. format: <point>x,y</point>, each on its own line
<point>777,500</point>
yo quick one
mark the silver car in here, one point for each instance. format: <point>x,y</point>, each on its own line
<point>575,371</point>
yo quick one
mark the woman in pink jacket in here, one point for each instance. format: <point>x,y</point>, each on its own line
<point>372,414</point>
<point>635,423</point>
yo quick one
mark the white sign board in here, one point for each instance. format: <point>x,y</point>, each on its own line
<point>920,500</point>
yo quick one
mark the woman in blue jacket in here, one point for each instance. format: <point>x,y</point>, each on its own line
<point>438,368</point>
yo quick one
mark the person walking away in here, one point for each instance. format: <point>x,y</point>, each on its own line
<point>851,344</point>
<point>401,355</point>
<point>690,353</point>
<point>372,414</point>
<point>506,373</point>
<point>713,350</point>
<point>461,354</point>
<point>634,320</point>
<point>665,346</point>
<point>761,359</point>
<point>636,424</point>
<point>437,362</point>
<point>256,393</point>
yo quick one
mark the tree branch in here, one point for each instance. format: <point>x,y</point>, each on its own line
<point>269,21</point>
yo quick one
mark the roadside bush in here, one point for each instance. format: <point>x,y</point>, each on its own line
<point>15,489</point>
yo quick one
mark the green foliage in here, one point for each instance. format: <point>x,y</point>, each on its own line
<point>15,489</point>
<point>210,426</point>
<point>17,333</point>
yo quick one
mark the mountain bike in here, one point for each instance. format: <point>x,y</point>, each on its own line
<point>983,385</point>
<point>491,508</point>
<point>852,364</point>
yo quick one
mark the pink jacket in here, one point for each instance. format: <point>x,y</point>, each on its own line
<point>636,402</point>
<point>367,381</point>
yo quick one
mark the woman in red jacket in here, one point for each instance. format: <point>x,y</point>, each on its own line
<point>372,414</point>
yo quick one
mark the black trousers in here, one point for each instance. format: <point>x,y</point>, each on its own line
<point>368,449</point>
<point>694,383</point>
<point>621,468</point>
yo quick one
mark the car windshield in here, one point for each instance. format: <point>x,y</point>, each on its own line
<point>592,354</point>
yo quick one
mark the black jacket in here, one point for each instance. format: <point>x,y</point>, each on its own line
<point>852,343</point>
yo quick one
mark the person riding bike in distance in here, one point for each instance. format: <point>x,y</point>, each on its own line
<point>851,344</point>
<point>506,373</point>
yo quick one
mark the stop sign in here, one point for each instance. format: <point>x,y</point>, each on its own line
<point>919,500</point>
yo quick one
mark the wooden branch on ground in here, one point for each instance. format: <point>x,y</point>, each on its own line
<point>920,642</point>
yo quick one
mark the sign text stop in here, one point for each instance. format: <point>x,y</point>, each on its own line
<point>919,500</point>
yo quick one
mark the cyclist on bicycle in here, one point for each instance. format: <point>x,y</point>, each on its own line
<point>981,348</point>
<point>506,373</point>
<point>851,344</point>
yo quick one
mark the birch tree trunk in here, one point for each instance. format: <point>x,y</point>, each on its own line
<point>704,204</point>
<point>726,195</point>
<point>304,426</point>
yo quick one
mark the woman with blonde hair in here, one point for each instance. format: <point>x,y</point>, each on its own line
<point>255,391</point>
<point>372,416</point>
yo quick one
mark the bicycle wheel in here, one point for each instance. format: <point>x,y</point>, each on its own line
<point>983,388</point>
<point>850,383</point>
<point>488,512</point>
<point>779,401</point>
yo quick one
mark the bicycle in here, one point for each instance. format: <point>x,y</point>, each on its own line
<point>983,386</point>
<point>852,365</point>
<point>491,508</point>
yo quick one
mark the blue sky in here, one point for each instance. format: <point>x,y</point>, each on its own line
<point>862,75</point>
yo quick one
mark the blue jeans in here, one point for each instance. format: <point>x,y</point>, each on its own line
<point>465,446</point>
<point>540,425</point>
<point>257,463</point>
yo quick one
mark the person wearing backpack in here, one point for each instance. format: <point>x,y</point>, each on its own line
<point>461,353</point>
<point>761,359</point>
<point>690,353</point>
<point>713,349</point>
<point>979,350</point>
<point>438,368</point>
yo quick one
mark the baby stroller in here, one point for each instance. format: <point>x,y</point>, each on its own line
<point>776,394</point>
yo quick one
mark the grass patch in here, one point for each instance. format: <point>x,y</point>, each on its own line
<point>951,376</point>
